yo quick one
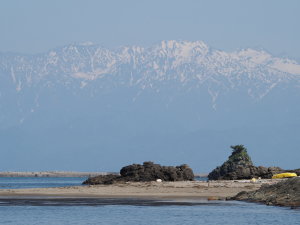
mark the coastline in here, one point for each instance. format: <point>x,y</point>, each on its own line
<point>52,174</point>
<point>213,190</point>
<point>285,193</point>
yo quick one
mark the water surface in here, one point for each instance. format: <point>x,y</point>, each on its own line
<point>133,213</point>
<point>39,182</point>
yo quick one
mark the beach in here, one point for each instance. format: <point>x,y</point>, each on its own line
<point>214,190</point>
<point>139,203</point>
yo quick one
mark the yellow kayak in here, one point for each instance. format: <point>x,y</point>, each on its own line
<point>284,175</point>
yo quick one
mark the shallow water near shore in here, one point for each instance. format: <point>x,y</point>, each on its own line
<point>138,213</point>
<point>39,182</point>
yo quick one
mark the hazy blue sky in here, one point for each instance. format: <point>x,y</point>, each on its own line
<point>33,26</point>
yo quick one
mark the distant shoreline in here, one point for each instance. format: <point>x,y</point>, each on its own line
<point>66,174</point>
<point>53,174</point>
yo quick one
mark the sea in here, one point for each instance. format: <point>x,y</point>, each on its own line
<point>131,211</point>
<point>39,182</point>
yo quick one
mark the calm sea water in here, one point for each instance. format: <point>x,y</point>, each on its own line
<point>133,211</point>
<point>226,212</point>
<point>39,182</point>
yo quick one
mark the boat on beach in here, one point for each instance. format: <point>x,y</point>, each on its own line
<point>284,175</point>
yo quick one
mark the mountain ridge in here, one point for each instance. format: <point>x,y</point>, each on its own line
<point>192,64</point>
<point>170,101</point>
<point>90,62</point>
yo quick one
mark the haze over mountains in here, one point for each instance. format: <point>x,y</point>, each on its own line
<point>174,102</point>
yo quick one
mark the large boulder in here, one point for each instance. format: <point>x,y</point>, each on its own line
<point>239,166</point>
<point>146,172</point>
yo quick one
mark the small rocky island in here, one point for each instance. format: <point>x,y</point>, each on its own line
<point>148,171</point>
<point>239,166</point>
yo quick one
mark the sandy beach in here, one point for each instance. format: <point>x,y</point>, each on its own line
<point>213,190</point>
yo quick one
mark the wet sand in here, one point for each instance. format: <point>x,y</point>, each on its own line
<point>50,201</point>
<point>214,190</point>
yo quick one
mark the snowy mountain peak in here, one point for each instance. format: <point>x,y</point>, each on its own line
<point>184,48</point>
<point>87,43</point>
<point>258,57</point>
<point>191,65</point>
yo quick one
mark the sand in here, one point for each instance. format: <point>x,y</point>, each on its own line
<point>186,189</point>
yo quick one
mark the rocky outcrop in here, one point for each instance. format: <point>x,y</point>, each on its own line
<point>102,179</point>
<point>146,172</point>
<point>239,166</point>
<point>284,193</point>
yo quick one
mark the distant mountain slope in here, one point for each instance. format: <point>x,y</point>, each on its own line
<point>173,101</point>
<point>191,63</point>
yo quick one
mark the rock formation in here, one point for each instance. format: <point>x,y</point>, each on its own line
<point>239,166</point>
<point>146,172</point>
<point>284,193</point>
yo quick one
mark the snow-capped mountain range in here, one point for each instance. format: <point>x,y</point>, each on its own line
<point>170,100</point>
<point>192,64</point>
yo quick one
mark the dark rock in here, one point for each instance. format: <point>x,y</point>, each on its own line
<point>284,193</point>
<point>146,172</point>
<point>239,166</point>
<point>102,179</point>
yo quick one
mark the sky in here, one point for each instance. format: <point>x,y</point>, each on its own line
<point>35,26</point>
